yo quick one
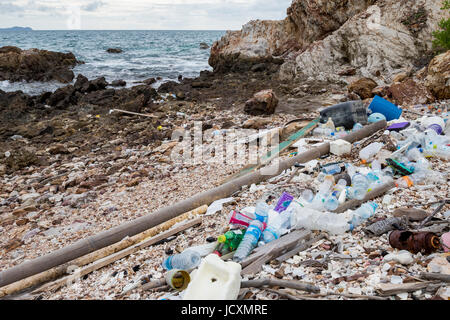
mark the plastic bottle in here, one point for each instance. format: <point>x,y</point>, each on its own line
<point>332,169</point>
<point>308,195</point>
<point>232,238</point>
<point>186,260</point>
<point>409,181</point>
<point>322,132</point>
<point>360,185</point>
<point>262,211</point>
<point>311,219</point>
<point>250,241</point>
<point>365,212</point>
<point>278,226</point>
<point>357,126</point>
<point>370,151</point>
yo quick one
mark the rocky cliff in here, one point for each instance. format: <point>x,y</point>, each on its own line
<point>329,40</point>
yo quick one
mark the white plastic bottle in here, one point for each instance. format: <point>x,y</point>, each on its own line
<point>370,151</point>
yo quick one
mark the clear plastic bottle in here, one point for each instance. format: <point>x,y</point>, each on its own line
<point>365,212</point>
<point>276,227</point>
<point>311,219</point>
<point>262,211</point>
<point>322,132</point>
<point>409,181</point>
<point>360,185</point>
<point>332,169</point>
<point>250,241</point>
<point>370,151</point>
<point>186,260</point>
<point>357,126</point>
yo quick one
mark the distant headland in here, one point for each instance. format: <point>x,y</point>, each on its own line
<point>16,29</point>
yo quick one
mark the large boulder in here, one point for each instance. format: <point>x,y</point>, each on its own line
<point>438,78</point>
<point>263,103</point>
<point>36,65</point>
<point>363,88</point>
<point>409,93</point>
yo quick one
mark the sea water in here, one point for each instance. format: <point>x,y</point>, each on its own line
<point>146,54</point>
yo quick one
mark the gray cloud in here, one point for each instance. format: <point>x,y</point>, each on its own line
<point>93,6</point>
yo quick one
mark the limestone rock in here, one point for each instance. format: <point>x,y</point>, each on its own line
<point>438,79</point>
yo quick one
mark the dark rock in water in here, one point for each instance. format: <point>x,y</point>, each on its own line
<point>98,84</point>
<point>204,46</point>
<point>118,83</point>
<point>263,102</point>
<point>114,50</point>
<point>36,65</point>
<point>149,81</point>
<point>180,77</point>
<point>82,84</point>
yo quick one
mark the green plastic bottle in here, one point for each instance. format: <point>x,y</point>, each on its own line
<point>232,239</point>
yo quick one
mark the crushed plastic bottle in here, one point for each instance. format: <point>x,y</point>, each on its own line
<point>365,212</point>
<point>186,260</point>
<point>322,132</point>
<point>359,188</point>
<point>276,227</point>
<point>250,241</point>
<point>311,219</point>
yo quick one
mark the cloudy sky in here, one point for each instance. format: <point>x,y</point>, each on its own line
<point>138,14</point>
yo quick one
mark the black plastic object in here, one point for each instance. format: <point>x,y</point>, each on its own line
<point>397,166</point>
<point>345,114</point>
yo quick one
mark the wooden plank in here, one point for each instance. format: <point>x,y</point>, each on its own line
<point>117,256</point>
<point>287,242</point>
<point>389,289</point>
<point>436,276</point>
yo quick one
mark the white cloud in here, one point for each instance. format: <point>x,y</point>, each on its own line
<point>140,14</point>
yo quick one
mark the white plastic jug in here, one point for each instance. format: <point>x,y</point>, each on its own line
<point>215,279</point>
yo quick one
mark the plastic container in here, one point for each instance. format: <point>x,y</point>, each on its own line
<point>386,108</point>
<point>340,147</point>
<point>333,169</point>
<point>365,212</point>
<point>346,114</point>
<point>186,260</point>
<point>322,132</point>
<point>370,151</point>
<point>262,211</point>
<point>250,241</point>
<point>331,203</point>
<point>215,279</point>
<point>375,117</point>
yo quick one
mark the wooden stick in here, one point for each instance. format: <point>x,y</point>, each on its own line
<point>347,295</point>
<point>427,219</point>
<point>436,276</point>
<point>59,271</point>
<point>136,114</point>
<point>297,285</point>
<point>114,257</point>
<point>282,294</point>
